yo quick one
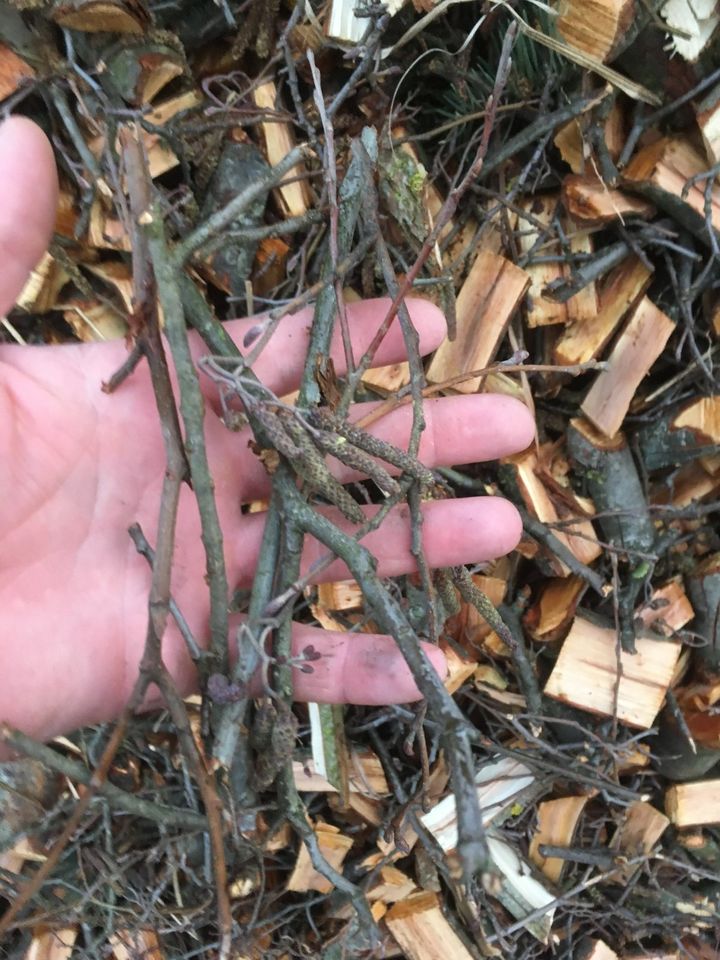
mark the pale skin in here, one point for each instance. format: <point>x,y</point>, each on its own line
<point>77,467</point>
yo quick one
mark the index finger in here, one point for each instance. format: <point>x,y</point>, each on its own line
<point>28,203</point>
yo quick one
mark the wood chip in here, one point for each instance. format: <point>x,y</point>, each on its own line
<point>550,617</point>
<point>13,71</point>
<point>499,784</point>
<point>340,595</point>
<point>694,804</point>
<point>334,846</point>
<point>596,950</point>
<point>586,674</point>
<point>580,342</point>
<point>488,299</point>
<point>640,830</point>
<point>53,944</point>
<point>557,822</point>
<point>638,347</point>
<point>667,610</point>
<point>365,776</point>
<point>589,200</point>
<point>294,198</point>
<point>661,171</point>
<point>422,931</point>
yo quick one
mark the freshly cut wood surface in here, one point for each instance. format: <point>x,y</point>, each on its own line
<point>694,804</point>
<point>638,347</point>
<point>499,783</point>
<point>13,71</point>
<point>596,950</point>
<point>334,846</point>
<point>581,542</point>
<point>101,16</point>
<point>59,944</point>
<point>294,198</point>
<point>702,416</point>
<point>588,199</point>
<point>575,148</point>
<point>595,26</point>
<point>691,483</point>
<point>365,776</point>
<point>580,342</point>
<point>667,609</point>
<point>531,234</point>
<point>421,929</point>
<point>129,944</point>
<point>488,298</point>
<point>591,667</point>
<point>640,830</point>
<point>549,618</point>
<point>661,172</point>
<point>340,595</point>
<point>692,24</point>
<point>557,821</point>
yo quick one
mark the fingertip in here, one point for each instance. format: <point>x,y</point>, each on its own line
<point>437,658</point>
<point>520,420</point>
<point>507,527</point>
<point>28,202</point>
<point>429,321</point>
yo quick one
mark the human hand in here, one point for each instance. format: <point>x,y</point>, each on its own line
<point>77,467</point>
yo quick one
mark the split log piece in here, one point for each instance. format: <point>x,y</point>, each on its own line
<point>596,950</point>
<point>707,114</point>
<point>128,944</point>
<point>692,24</point>
<point>294,199</point>
<point>667,610</point>
<point>591,202</point>
<point>488,299</point>
<point>693,804</point>
<point>590,669</point>
<point>340,595</point>
<point>691,483</point>
<point>575,146</point>
<point>536,233</point>
<point>660,173</point>
<point>422,930</point>
<point>499,784</point>
<point>59,944</point>
<point>522,473</point>
<point>623,288</point>
<point>365,776</point>
<point>101,16</point>
<point>637,348</point>
<point>334,846</point>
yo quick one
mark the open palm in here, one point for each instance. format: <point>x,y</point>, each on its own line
<point>78,466</point>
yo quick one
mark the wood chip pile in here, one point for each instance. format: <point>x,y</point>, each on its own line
<point>581,272</point>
